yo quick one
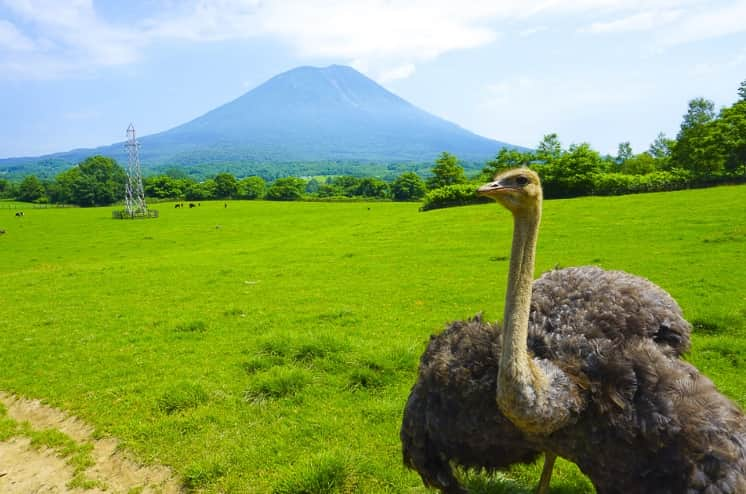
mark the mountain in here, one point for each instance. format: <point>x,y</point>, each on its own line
<point>306,115</point>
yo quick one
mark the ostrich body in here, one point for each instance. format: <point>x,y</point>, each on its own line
<point>451,416</point>
<point>582,369</point>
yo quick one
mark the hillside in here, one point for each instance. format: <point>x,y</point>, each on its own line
<point>309,115</point>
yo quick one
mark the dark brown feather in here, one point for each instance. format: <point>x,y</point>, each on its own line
<point>651,424</point>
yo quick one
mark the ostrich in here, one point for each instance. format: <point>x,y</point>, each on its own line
<point>592,359</point>
<point>451,416</point>
<point>631,416</point>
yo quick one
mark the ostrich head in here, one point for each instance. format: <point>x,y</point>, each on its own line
<point>519,190</point>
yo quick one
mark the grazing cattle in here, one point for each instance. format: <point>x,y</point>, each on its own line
<point>19,213</point>
<point>192,205</point>
<point>177,206</point>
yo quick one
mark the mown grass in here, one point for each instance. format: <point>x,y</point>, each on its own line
<point>270,347</point>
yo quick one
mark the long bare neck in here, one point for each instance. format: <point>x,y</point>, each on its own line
<point>530,393</point>
<point>520,279</point>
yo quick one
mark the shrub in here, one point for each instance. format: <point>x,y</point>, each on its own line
<point>452,195</point>
<point>605,184</point>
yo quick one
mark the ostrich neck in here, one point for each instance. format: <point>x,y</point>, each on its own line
<point>518,296</point>
<point>534,395</point>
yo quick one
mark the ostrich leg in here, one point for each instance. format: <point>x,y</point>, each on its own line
<point>546,473</point>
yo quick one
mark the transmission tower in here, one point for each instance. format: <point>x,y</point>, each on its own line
<point>134,200</point>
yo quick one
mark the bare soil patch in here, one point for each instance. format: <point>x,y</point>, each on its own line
<point>25,469</point>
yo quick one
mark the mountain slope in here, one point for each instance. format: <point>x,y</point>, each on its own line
<point>306,115</point>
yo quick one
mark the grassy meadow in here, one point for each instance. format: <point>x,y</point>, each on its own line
<point>270,346</point>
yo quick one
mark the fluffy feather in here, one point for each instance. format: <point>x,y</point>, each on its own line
<point>649,423</point>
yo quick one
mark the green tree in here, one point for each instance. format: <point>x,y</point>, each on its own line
<point>447,171</point>
<point>62,189</point>
<point>7,189</point>
<point>640,164</point>
<point>163,186</point>
<point>312,187</point>
<point>30,189</point>
<point>408,187</point>
<point>372,187</point>
<point>329,190</point>
<point>226,186</point>
<point>348,185</point>
<point>624,152</point>
<point>695,147</point>
<point>660,150</point>
<point>572,174</point>
<point>549,149</point>
<point>201,191</point>
<point>506,159</point>
<point>251,187</point>
<point>286,189</point>
<point>700,111</point>
<point>742,90</point>
<point>661,147</point>
<point>96,181</point>
<point>730,137</point>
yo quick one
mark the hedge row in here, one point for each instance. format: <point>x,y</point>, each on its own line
<point>612,184</point>
<point>452,195</point>
<point>601,184</point>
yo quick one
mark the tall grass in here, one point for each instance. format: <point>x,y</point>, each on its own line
<point>270,347</point>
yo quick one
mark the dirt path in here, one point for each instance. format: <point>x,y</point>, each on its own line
<point>25,469</point>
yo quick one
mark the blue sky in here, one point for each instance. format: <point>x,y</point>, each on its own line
<point>75,73</point>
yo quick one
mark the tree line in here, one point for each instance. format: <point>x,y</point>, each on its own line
<point>709,148</point>
<point>100,181</point>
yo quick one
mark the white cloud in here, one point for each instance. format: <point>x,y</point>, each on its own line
<point>400,72</point>
<point>679,23</point>
<point>386,38</point>
<point>70,38</point>
<point>389,37</point>
<point>708,23</point>
<point>531,31</point>
<point>12,39</point>
<point>642,21</point>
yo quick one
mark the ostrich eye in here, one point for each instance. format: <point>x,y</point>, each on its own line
<point>521,181</point>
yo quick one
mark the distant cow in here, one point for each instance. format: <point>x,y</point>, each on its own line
<point>192,205</point>
<point>19,213</point>
<point>177,206</point>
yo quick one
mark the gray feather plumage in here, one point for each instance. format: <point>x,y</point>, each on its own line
<point>648,423</point>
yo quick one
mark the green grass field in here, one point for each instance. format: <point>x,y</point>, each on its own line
<point>270,347</point>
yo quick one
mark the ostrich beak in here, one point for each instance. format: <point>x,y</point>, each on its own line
<point>491,189</point>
